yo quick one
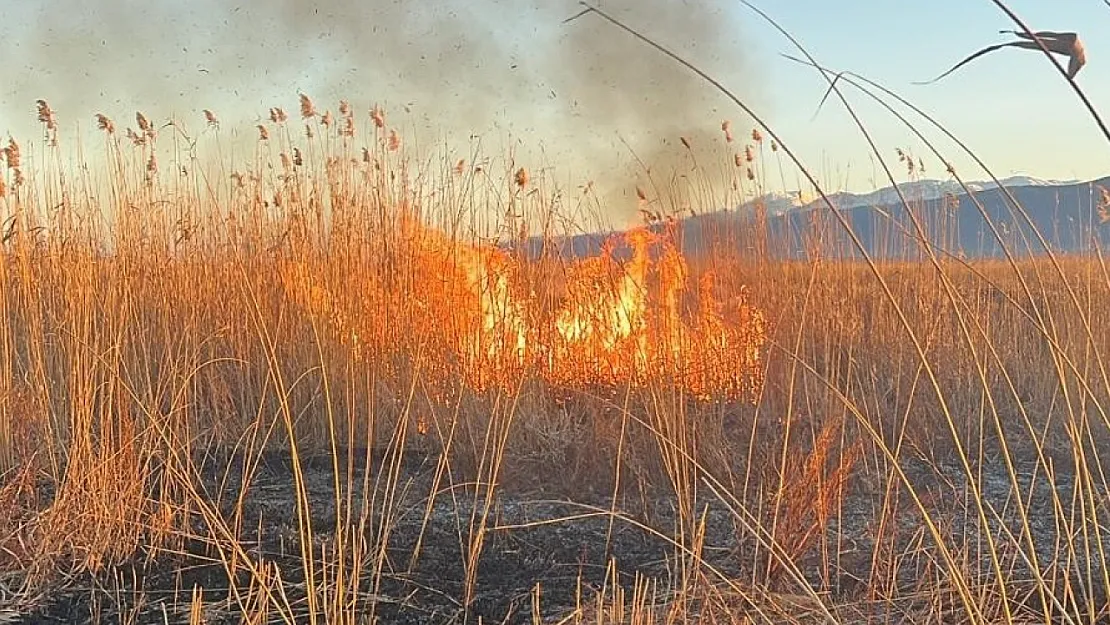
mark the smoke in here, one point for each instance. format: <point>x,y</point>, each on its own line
<point>583,97</point>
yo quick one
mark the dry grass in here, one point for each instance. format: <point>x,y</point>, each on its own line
<point>170,319</point>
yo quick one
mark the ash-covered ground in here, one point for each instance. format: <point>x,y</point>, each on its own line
<point>428,526</point>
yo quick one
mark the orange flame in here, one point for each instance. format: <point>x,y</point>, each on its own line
<point>481,313</point>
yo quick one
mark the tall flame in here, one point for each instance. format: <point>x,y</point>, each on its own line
<point>482,313</point>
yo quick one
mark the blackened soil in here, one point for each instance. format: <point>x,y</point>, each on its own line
<point>432,529</point>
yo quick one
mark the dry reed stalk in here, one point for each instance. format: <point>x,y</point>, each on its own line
<point>367,294</point>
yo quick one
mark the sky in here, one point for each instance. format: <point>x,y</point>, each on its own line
<point>1011,106</point>
<point>584,100</point>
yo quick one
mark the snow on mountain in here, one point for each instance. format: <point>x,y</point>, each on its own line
<point>1026,181</point>
<point>777,203</point>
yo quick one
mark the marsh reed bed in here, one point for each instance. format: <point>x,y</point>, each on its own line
<point>282,388</point>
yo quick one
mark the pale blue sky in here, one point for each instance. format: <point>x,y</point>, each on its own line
<point>1011,106</point>
<point>512,73</point>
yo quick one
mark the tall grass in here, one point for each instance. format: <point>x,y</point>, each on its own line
<point>916,439</point>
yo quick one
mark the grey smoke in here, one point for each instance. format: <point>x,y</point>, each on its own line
<point>496,68</point>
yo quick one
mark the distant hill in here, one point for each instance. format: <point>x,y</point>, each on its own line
<point>1065,213</point>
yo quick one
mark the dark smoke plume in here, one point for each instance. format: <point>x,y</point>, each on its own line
<point>488,67</point>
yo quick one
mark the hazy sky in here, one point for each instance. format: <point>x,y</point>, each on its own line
<point>584,93</point>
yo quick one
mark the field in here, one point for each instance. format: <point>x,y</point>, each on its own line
<point>341,381</point>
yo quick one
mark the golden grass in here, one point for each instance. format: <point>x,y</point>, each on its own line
<point>331,295</point>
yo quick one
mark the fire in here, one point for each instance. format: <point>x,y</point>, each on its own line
<point>491,318</point>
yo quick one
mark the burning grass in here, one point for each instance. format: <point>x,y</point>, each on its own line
<point>328,380</point>
<point>500,318</point>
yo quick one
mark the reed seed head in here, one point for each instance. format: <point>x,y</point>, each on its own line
<point>951,202</point>
<point>12,155</point>
<point>46,115</point>
<point>105,124</point>
<point>308,109</point>
<point>1103,208</point>
<point>135,138</point>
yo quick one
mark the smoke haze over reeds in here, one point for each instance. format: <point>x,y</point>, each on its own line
<point>504,71</point>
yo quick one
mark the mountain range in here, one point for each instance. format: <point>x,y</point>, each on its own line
<point>1065,213</point>
<point>918,190</point>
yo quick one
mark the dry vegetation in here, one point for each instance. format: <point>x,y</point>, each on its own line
<point>831,441</point>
